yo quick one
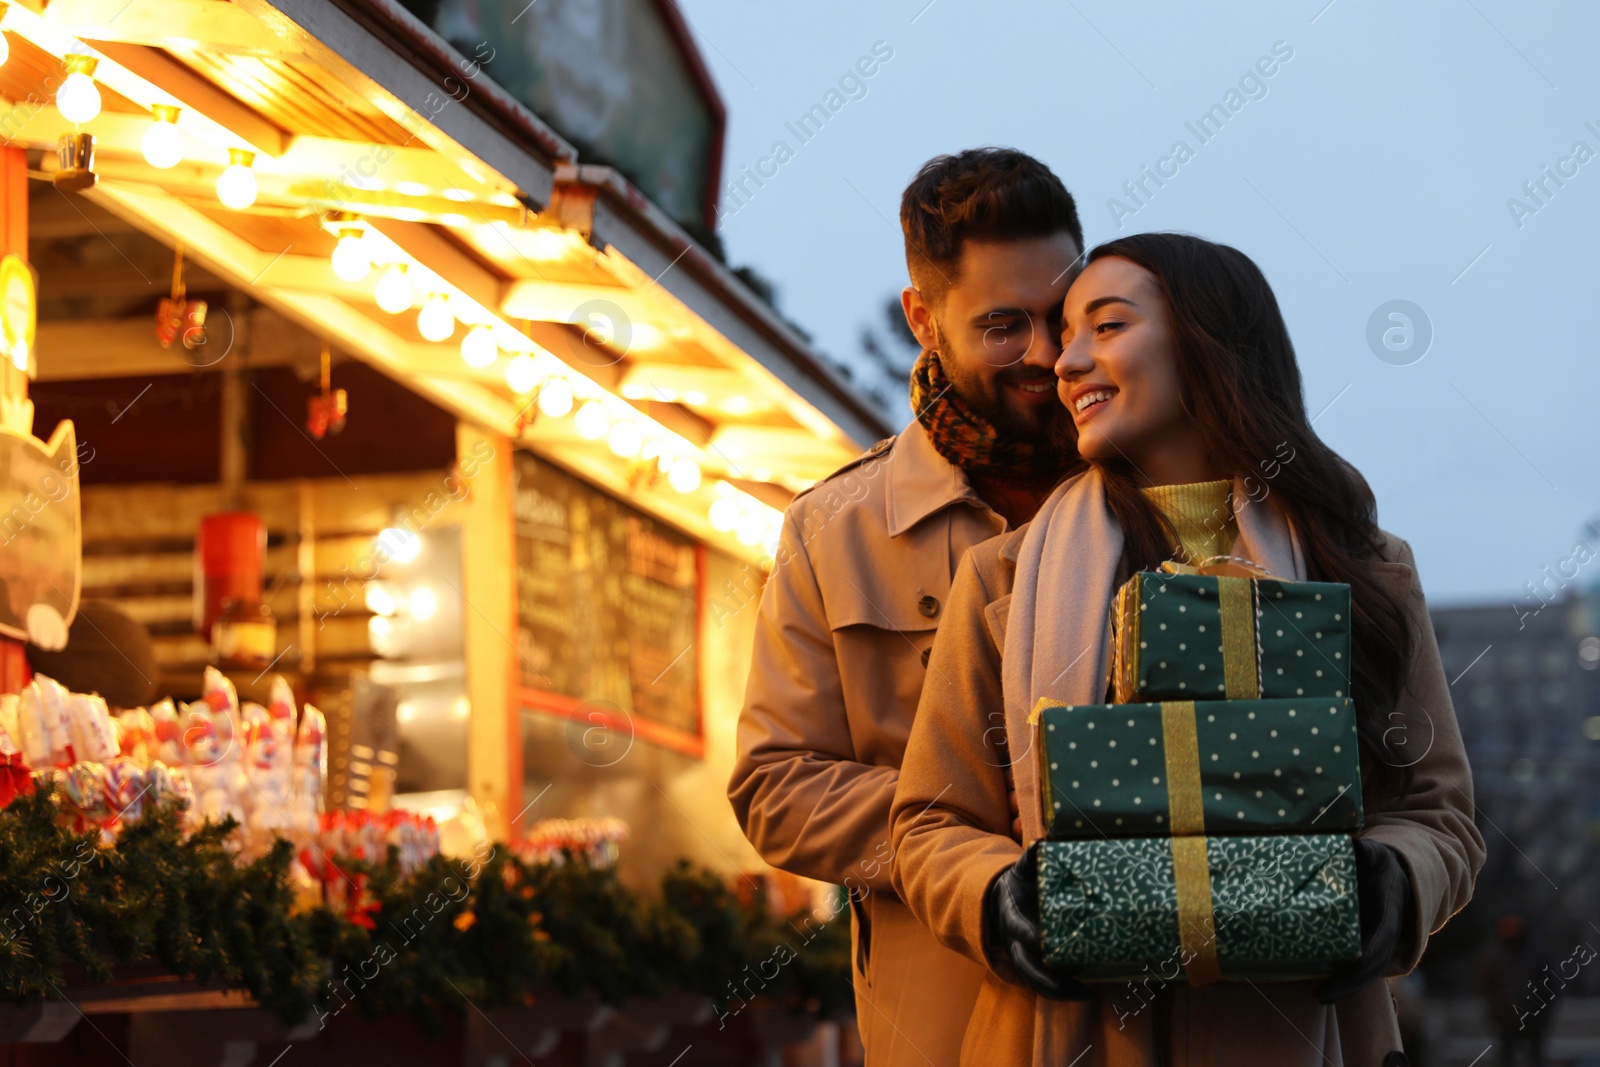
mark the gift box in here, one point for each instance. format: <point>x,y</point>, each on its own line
<point>1212,767</point>
<point>1203,909</point>
<point>1208,637</point>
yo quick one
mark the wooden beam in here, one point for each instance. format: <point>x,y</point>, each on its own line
<point>169,24</point>
<point>76,349</point>
<point>192,91</point>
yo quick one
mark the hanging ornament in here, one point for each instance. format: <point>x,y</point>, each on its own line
<point>75,162</point>
<point>325,414</point>
<point>178,317</point>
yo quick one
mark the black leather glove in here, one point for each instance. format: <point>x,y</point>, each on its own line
<point>1385,892</point>
<point>1011,930</point>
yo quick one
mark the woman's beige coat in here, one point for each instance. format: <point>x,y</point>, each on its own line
<point>952,835</point>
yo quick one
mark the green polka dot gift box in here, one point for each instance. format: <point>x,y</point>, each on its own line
<point>1198,767</point>
<point>1199,909</point>
<point>1210,637</point>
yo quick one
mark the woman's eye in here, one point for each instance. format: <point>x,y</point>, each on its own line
<point>1109,324</point>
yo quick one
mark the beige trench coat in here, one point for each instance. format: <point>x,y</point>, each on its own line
<point>858,587</point>
<point>952,836</point>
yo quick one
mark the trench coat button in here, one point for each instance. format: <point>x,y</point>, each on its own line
<point>929,606</point>
<point>925,654</point>
<point>1396,1059</point>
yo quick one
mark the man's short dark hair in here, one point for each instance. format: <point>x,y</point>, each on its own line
<point>981,194</point>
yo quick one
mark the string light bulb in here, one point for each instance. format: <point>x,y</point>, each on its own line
<point>78,99</point>
<point>591,422</point>
<point>435,321</point>
<point>478,348</point>
<point>555,396</point>
<point>522,376</point>
<point>236,185</point>
<point>350,260</point>
<point>684,474</point>
<point>162,144</point>
<point>625,439</point>
<point>393,291</point>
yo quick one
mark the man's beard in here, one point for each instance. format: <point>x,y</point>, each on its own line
<point>1051,427</point>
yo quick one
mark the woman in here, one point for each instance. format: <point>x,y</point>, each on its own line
<point>1186,401</point>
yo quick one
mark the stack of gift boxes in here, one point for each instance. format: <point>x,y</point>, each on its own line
<point>1202,824</point>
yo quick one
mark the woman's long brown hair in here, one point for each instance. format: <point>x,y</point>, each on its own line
<point>1241,384</point>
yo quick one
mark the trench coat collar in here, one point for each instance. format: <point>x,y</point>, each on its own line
<point>922,482</point>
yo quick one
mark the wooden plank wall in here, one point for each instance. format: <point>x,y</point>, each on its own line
<point>138,552</point>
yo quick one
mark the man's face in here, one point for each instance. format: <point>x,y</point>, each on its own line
<point>997,330</point>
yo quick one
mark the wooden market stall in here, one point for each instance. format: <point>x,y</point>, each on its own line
<point>517,443</point>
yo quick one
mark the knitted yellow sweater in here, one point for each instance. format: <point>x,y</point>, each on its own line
<point>1201,516</point>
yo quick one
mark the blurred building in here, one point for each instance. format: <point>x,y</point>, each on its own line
<point>1526,688</point>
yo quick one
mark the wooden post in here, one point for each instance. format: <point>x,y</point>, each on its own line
<point>14,673</point>
<point>489,568</point>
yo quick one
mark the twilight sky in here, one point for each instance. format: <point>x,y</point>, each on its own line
<point>1383,159</point>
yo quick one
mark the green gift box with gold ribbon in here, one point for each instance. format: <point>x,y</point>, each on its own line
<point>1200,909</point>
<point>1223,635</point>
<point>1206,767</point>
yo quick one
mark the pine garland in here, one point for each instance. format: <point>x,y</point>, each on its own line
<point>493,930</point>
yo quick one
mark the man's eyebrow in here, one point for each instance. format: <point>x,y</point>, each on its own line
<point>999,313</point>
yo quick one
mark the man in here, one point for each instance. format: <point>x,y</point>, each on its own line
<point>866,559</point>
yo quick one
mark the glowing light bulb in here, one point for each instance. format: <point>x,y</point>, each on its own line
<point>350,259</point>
<point>399,544</point>
<point>162,144</point>
<point>625,439</point>
<point>478,348</point>
<point>5,46</point>
<point>591,422</point>
<point>423,602</point>
<point>393,291</point>
<point>78,99</point>
<point>236,185</point>
<point>434,321</point>
<point>555,398</point>
<point>522,376</point>
<point>724,514</point>
<point>378,599</point>
<point>684,475</point>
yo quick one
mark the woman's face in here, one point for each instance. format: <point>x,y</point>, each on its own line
<point>1118,375</point>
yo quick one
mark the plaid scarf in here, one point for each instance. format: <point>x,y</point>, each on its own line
<point>969,440</point>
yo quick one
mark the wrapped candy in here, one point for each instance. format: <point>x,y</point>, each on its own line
<point>166,731</point>
<point>211,759</point>
<point>164,782</point>
<point>93,737</point>
<point>127,789</point>
<point>269,763</point>
<point>43,721</point>
<point>85,797</point>
<point>310,768</point>
<point>136,735</point>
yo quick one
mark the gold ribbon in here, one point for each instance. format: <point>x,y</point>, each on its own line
<point>1236,603</point>
<point>1196,926</point>
<point>1190,868</point>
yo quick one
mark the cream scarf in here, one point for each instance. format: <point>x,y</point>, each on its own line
<point>1057,642</point>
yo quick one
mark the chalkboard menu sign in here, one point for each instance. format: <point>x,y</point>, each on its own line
<point>608,609</point>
